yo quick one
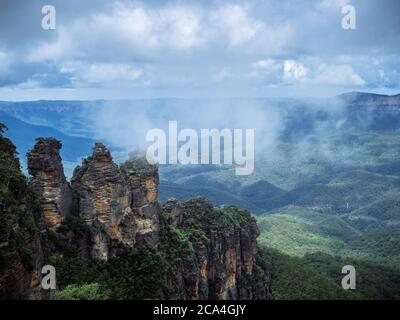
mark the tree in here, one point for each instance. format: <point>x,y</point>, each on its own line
<point>88,291</point>
<point>3,128</point>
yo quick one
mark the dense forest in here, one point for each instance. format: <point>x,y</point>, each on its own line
<point>144,272</point>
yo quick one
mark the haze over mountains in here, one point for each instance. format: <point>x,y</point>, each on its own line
<point>86,85</point>
<point>335,159</point>
<point>325,189</point>
<point>370,99</point>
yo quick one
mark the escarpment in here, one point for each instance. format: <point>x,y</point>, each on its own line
<point>109,213</point>
<point>224,251</point>
<point>103,202</point>
<point>49,182</point>
<point>118,204</point>
<point>142,181</point>
<point>21,255</point>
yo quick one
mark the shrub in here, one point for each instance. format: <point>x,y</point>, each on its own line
<point>91,291</point>
<point>27,258</point>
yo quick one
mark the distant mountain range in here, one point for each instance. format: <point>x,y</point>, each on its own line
<point>370,99</point>
<point>330,183</point>
<point>25,134</point>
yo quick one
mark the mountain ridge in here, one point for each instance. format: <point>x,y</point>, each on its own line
<point>109,218</point>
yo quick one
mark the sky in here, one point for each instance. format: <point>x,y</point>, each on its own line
<point>104,49</point>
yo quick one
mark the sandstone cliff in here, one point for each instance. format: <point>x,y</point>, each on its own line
<point>21,255</point>
<point>142,181</point>
<point>111,213</point>
<point>118,204</point>
<point>49,182</point>
<point>224,251</point>
<point>102,200</point>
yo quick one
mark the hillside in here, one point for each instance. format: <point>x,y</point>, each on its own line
<point>326,188</point>
<point>109,238</point>
<point>297,231</point>
<point>318,276</point>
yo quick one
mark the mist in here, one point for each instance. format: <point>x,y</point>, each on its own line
<point>287,132</point>
<point>124,124</point>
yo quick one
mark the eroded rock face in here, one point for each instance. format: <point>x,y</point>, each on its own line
<point>19,281</point>
<point>102,199</point>
<point>230,254</point>
<point>225,251</point>
<point>142,180</point>
<point>21,255</point>
<point>49,182</point>
<point>212,252</point>
<point>118,204</point>
<point>173,207</point>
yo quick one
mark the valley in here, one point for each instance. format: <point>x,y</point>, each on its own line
<point>325,188</point>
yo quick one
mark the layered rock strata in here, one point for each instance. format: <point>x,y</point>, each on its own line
<point>49,182</point>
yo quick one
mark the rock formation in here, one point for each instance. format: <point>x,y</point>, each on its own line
<point>118,204</point>
<point>211,252</point>
<point>225,253</point>
<point>21,255</point>
<point>103,202</point>
<point>143,180</point>
<point>172,207</point>
<point>49,182</point>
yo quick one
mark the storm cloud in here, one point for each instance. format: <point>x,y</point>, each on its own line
<point>128,49</point>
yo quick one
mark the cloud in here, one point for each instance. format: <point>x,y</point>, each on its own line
<point>155,33</point>
<point>334,4</point>
<point>265,67</point>
<point>155,38</point>
<point>319,73</point>
<point>126,33</point>
<point>102,73</point>
<point>340,75</point>
<point>124,125</point>
<point>245,47</point>
<point>234,22</point>
<point>63,47</point>
<point>222,75</point>
<point>4,62</point>
<point>175,27</point>
<point>294,71</point>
